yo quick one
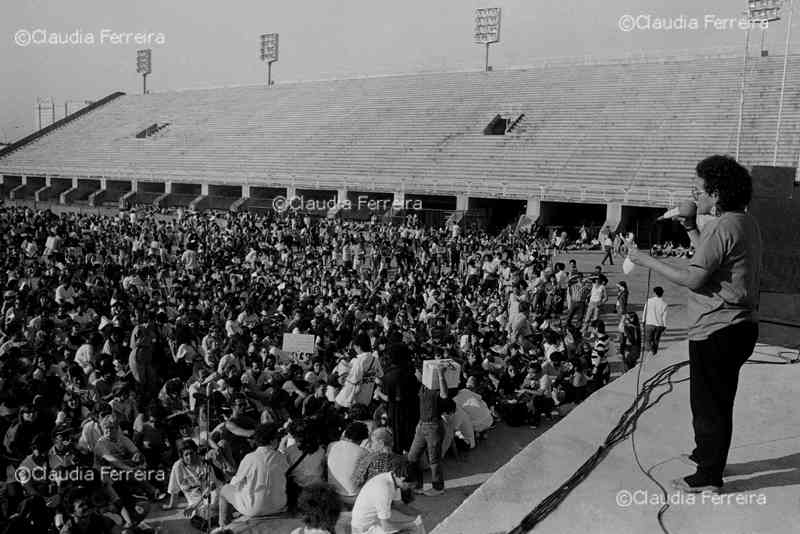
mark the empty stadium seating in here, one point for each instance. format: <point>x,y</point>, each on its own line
<point>631,132</point>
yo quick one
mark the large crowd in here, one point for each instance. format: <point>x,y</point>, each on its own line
<point>142,363</point>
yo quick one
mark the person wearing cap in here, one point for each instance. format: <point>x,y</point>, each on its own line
<point>61,455</point>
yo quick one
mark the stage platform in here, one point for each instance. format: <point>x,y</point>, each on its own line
<point>761,493</point>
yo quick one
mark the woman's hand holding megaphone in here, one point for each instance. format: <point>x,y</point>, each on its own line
<point>687,214</point>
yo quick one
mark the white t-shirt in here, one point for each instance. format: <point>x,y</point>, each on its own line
<point>374,502</point>
<point>477,410</point>
<point>343,456</point>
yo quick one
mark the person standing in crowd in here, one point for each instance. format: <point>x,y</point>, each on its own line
<point>630,342</point>
<point>655,319</point>
<point>364,369</point>
<point>398,390</point>
<point>723,278</point>
<point>607,241</point>
<point>430,435</point>
<point>622,299</point>
<point>597,298</point>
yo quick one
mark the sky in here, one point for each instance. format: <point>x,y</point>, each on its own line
<point>199,44</point>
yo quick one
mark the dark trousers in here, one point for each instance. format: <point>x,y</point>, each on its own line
<point>714,365</point>
<point>609,256</point>
<point>652,337</point>
<point>540,405</point>
<point>576,309</point>
<point>427,436</point>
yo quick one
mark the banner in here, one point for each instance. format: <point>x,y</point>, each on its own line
<point>302,343</point>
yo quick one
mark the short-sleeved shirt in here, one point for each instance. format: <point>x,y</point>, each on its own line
<point>189,480</point>
<point>729,249</point>
<point>343,457</point>
<point>374,502</point>
<point>122,449</point>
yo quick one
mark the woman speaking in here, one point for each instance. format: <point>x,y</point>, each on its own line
<point>723,279</point>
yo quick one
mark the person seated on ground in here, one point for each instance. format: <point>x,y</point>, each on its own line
<point>510,381</point>
<point>149,436</point>
<point>378,459</point>
<point>360,413</point>
<point>316,402</point>
<point>37,462</point>
<point>115,455</point>
<point>536,391</point>
<point>574,381</point>
<point>476,408</point>
<point>552,365</point>
<point>33,517</point>
<point>343,457</point>
<point>198,483</point>
<point>259,486</point>
<point>319,506</point>
<point>85,519</point>
<point>380,507</point>
<point>229,439</point>
<point>306,458</point>
<point>459,434</point>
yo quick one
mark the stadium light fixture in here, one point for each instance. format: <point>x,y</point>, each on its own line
<point>144,66</point>
<point>783,83</point>
<point>269,53</point>
<point>762,11</point>
<point>487,29</point>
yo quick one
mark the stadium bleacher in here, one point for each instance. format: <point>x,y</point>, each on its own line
<point>637,127</point>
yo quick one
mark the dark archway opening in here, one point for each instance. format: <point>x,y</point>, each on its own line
<point>495,214</point>
<point>647,230</point>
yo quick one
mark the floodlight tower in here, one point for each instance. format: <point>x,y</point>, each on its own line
<point>143,66</point>
<point>269,53</point>
<point>783,83</point>
<point>758,12</point>
<point>487,29</point>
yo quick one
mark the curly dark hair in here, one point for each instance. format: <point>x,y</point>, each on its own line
<point>726,178</point>
<point>319,506</point>
<point>305,434</point>
<point>356,432</point>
